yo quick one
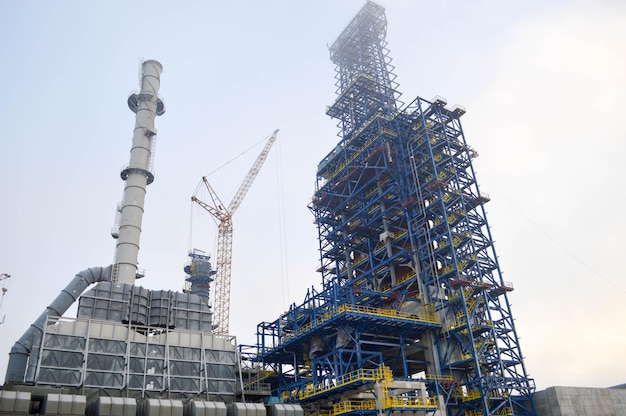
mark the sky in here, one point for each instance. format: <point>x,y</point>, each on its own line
<point>543,84</point>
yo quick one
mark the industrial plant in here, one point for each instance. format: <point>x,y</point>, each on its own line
<point>411,317</point>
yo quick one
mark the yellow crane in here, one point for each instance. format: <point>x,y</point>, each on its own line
<point>224,217</point>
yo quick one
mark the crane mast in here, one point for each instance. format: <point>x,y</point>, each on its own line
<point>224,217</point>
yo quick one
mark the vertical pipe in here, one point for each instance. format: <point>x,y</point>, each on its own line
<point>137,175</point>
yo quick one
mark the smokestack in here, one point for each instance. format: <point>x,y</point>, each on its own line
<point>138,174</point>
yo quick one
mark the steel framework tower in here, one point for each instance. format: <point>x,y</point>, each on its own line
<point>413,313</point>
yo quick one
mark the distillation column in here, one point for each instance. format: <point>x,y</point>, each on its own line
<point>138,174</point>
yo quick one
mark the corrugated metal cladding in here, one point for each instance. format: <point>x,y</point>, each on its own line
<point>160,342</point>
<point>158,308</point>
<point>106,355</point>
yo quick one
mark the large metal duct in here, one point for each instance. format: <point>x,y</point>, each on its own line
<point>138,174</point>
<point>22,349</point>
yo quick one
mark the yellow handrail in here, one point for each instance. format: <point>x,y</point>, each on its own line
<point>406,402</point>
<point>428,316</point>
<point>353,405</point>
<point>471,395</point>
<point>355,376</point>
<point>358,152</point>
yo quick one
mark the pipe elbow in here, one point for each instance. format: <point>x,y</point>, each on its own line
<point>96,274</point>
<point>21,350</point>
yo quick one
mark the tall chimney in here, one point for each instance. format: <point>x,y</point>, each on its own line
<point>138,174</point>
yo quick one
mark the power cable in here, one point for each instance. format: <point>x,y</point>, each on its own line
<point>551,238</point>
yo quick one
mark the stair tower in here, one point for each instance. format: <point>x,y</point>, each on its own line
<point>412,315</point>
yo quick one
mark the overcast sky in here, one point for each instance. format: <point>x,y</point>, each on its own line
<point>544,85</point>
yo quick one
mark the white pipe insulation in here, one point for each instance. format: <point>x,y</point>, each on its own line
<point>137,175</point>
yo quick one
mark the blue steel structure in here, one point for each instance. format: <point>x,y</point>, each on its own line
<point>413,313</point>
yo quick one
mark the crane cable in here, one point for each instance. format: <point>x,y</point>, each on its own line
<point>199,186</point>
<point>190,236</point>
<point>195,192</point>
<point>282,233</point>
<point>554,241</point>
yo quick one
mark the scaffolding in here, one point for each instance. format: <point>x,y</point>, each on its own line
<point>413,313</point>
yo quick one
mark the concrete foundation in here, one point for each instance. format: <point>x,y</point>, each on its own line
<point>581,401</point>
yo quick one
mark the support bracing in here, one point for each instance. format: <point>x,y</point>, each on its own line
<point>413,314</point>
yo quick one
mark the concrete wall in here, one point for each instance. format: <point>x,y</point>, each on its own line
<point>581,401</point>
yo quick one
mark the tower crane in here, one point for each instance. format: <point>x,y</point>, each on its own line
<point>224,217</point>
